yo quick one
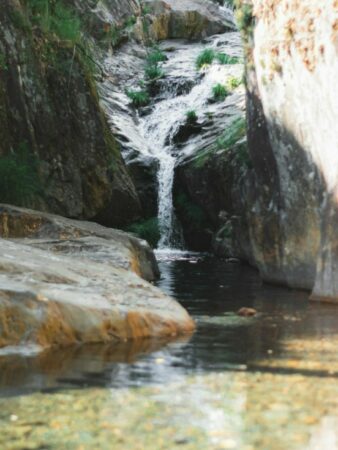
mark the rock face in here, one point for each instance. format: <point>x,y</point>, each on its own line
<point>64,282</point>
<point>49,104</point>
<point>187,19</point>
<point>293,140</point>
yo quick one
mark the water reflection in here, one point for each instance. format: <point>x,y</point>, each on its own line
<point>289,335</point>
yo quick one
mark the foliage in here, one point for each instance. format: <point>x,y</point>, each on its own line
<point>244,16</point>
<point>223,58</point>
<point>153,72</point>
<point>138,98</point>
<point>147,229</point>
<point>232,138</point>
<point>220,92</point>
<point>19,179</point>
<point>193,213</point>
<point>235,132</point>
<point>3,62</point>
<point>191,116</point>
<point>206,57</point>
<point>155,56</point>
<point>55,18</point>
<point>129,22</point>
<point>234,82</point>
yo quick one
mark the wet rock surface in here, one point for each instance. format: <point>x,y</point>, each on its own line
<point>65,282</point>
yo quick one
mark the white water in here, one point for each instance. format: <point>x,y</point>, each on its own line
<point>150,137</point>
<point>160,126</point>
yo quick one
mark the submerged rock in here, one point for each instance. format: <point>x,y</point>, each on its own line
<point>246,312</point>
<point>64,282</point>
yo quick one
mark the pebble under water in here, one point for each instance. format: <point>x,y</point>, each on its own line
<point>265,382</point>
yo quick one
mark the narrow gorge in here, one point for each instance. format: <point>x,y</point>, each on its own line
<point>168,224</point>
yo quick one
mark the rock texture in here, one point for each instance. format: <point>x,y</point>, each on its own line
<point>187,19</point>
<point>48,102</point>
<point>64,282</point>
<point>293,140</point>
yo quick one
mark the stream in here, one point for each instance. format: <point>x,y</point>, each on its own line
<point>266,382</point>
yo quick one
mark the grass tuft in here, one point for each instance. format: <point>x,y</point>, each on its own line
<point>205,58</point>
<point>138,98</point>
<point>220,92</point>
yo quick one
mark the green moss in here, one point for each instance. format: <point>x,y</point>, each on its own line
<point>192,212</point>
<point>3,62</point>
<point>146,229</point>
<point>19,178</point>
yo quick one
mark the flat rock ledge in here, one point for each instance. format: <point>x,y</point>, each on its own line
<point>65,282</point>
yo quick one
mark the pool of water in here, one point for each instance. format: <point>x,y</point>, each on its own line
<point>265,382</point>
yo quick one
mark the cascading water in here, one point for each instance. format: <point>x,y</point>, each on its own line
<point>169,114</point>
<point>152,134</point>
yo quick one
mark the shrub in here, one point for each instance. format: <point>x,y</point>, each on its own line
<point>147,229</point>
<point>220,92</point>
<point>223,58</point>
<point>19,180</point>
<point>138,98</point>
<point>191,116</point>
<point>206,57</point>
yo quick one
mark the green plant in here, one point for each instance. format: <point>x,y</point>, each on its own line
<point>153,72</point>
<point>19,179</point>
<point>147,229</point>
<point>244,18</point>
<point>234,82</point>
<point>206,57</point>
<point>220,92</point>
<point>155,56</point>
<point>223,58</point>
<point>55,18</point>
<point>129,22</point>
<point>138,98</point>
<point>193,213</point>
<point>232,138</point>
<point>234,133</point>
<point>3,62</point>
<point>191,116</point>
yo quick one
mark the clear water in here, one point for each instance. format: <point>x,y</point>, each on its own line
<point>268,382</point>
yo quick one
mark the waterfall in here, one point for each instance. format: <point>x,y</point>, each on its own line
<point>151,133</point>
<point>160,126</point>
